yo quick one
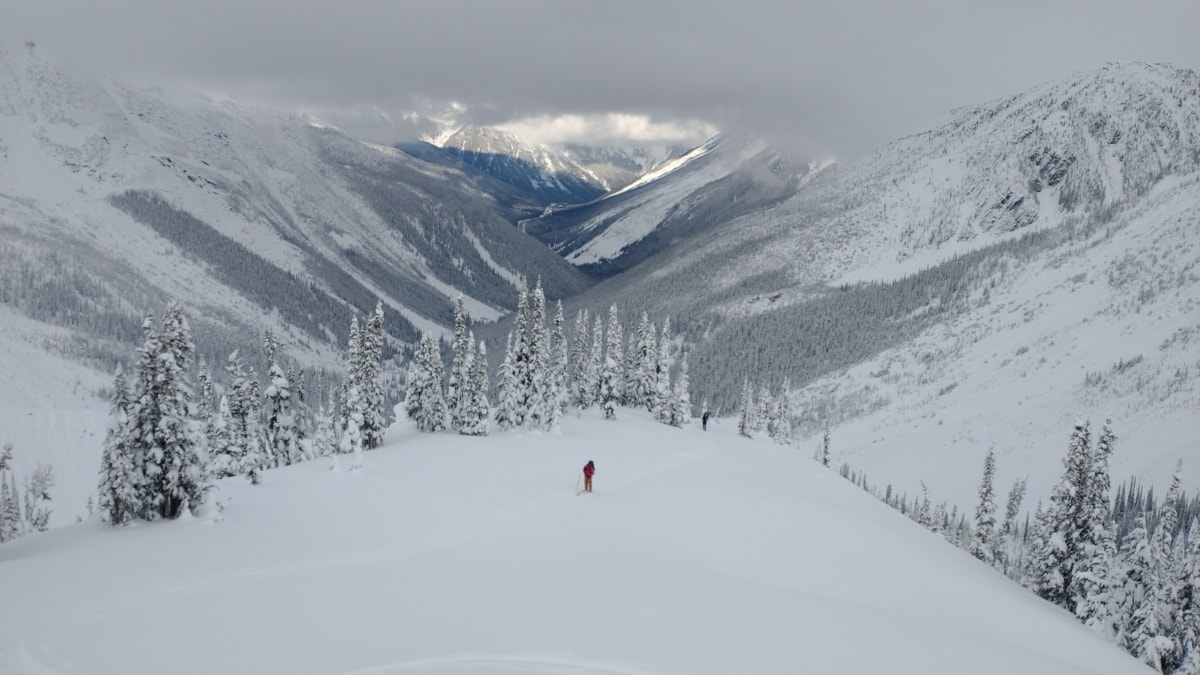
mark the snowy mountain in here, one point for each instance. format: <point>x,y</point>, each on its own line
<point>676,201</point>
<point>148,194</point>
<point>544,174</point>
<point>697,552</point>
<point>980,284</point>
<point>115,199</point>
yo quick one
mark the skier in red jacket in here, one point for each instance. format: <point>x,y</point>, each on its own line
<point>588,470</point>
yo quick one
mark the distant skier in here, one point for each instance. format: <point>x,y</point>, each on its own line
<point>589,469</point>
<point>704,420</point>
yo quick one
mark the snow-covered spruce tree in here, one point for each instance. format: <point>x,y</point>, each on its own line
<point>983,544</point>
<point>611,374</point>
<point>352,440</point>
<point>282,440</point>
<point>476,411</point>
<point>581,362</point>
<point>172,464</point>
<point>370,386</point>
<point>681,397</point>
<point>460,365</point>
<point>245,452</point>
<point>641,385</point>
<point>537,389</point>
<point>506,389</point>
<point>592,385</point>
<point>559,392</point>
<point>205,410</point>
<point>762,410</point>
<point>119,475</point>
<point>825,448</point>
<point>745,424</point>
<point>354,365</point>
<point>662,405</point>
<point>423,401</point>
<point>37,498</point>
<point>1156,644</point>
<point>1094,589</point>
<point>781,419</point>
<point>11,524</point>
<point>1144,613</point>
<point>223,453</point>
<point>1185,625</point>
<point>1009,544</point>
<point>522,358</point>
<point>1054,559</point>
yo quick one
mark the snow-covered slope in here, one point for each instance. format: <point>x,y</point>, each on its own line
<point>1056,238</point>
<point>103,174</point>
<point>545,173</point>
<point>676,201</point>
<point>698,552</point>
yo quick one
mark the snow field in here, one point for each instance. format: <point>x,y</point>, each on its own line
<point>698,552</point>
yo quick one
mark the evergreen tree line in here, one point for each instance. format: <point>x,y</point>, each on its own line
<point>1127,567</point>
<point>763,412</point>
<point>543,374</point>
<point>34,516</point>
<point>172,434</point>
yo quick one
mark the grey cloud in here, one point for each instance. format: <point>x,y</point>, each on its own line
<point>840,76</point>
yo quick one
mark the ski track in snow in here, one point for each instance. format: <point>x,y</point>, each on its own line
<point>34,652</point>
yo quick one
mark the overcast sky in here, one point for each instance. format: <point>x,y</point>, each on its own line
<point>839,77</point>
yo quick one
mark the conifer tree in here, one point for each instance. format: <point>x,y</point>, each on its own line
<point>582,396</point>
<point>475,410</point>
<point>37,498</point>
<point>246,455</point>
<point>592,385</point>
<point>662,404</point>
<point>983,544</point>
<point>460,365</point>
<point>1094,585</point>
<point>559,394</point>
<point>205,412</point>
<point>370,387</point>
<point>825,448</point>
<point>762,410</point>
<point>1185,624</point>
<point>1057,555</point>
<point>423,401</point>
<point>506,389</point>
<point>172,464</point>
<point>11,524</point>
<point>681,398</point>
<point>119,475</point>
<point>641,381</point>
<point>352,441</point>
<point>354,361</point>
<point>782,418</point>
<point>522,359</point>
<point>1008,530</point>
<point>746,410</point>
<point>611,375</point>
<point>224,454</point>
<point>537,392</point>
<point>282,444</point>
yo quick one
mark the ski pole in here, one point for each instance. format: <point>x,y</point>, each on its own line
<point>577,482</point>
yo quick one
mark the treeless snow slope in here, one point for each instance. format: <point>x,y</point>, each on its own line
<point>698,552</point>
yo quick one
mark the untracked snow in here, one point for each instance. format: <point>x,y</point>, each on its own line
<point>698,552</point>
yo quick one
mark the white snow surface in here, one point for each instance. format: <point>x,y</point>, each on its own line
<point>698,552</point>
<point>645,211</point>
